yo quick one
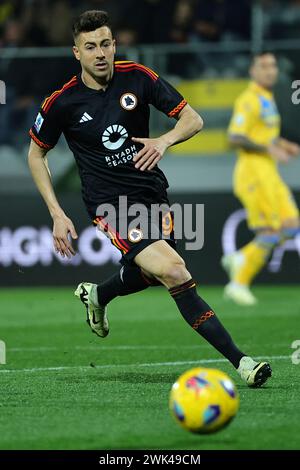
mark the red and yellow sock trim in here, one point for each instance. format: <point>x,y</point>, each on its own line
<point>183,287</point>
<point>202,318</point>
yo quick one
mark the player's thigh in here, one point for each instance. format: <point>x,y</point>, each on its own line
<point>261,203</point>
<point>162,261</point>
<point>289,212</point>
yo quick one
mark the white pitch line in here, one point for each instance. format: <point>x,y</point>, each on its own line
<point>146,364</point>
<point>103,348</point>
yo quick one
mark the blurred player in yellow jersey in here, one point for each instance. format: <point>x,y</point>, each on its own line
<point>271,210</point>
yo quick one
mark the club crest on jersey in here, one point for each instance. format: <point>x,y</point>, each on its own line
<point>135,235</point>
<point>128,101</point>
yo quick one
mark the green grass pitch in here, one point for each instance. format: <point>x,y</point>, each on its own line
<point>64,388</point>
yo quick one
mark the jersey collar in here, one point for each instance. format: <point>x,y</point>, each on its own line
<point>260,90</point>
<point>91,90</point>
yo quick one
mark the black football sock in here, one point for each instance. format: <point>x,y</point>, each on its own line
<point>128,280</point>
<point>203,320</point>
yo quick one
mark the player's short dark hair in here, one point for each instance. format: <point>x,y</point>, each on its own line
<point>259,54</point>
<point>89,21</point>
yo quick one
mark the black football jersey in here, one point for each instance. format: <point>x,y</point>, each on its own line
<point>98,126</point>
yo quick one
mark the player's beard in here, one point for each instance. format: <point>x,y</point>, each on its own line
<point>101,76</point>
<point>104,71</point>
<point>269,84</point>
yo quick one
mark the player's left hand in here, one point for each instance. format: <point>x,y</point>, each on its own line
<point>150,154</point>
<point>291,148</point>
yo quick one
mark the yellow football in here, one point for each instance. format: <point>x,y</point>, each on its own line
<point>204,400</point>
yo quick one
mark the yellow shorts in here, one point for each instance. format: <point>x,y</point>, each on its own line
<point>267,199</point>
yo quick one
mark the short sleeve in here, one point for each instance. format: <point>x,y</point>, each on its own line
<point>165,98</point>
<point>245,114</point>
<point>47,127</point>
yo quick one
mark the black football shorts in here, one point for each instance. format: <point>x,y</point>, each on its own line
<point>132,231</point>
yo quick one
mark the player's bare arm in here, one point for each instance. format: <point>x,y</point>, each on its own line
<point>188,124</point>
<point>62,225</point>
<point>277,152</point>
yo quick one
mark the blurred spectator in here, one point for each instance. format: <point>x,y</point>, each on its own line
<point>126,37</point>
<point>217,18</point>
<point>215,21</point>
<point>151,19</point>
<point>114,8</point>
<point>28,20</point>
<point>284,21</point>
<point>59,23</point>
<point>182,21</point>
<point>8,9</point>
<point>27,84</point>
<point>40,23</point>
<point>13,34</point>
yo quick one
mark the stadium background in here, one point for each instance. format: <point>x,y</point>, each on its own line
<point>203,48</point>
<point>61,386</point>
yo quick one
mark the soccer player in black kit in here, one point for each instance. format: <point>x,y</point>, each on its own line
<point>104,114</point>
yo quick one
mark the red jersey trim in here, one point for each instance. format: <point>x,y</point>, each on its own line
<point>129,66</point>
<point>178,108</point>
<point>39,142</point>
<point>50,100</point>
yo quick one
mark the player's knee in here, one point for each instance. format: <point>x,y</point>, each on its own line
<point>174,274</point>
<point>291,230</point>
<point>268,239</point>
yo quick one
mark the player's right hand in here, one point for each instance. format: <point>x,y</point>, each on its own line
<point>62,227</point>
<point>278,153</point>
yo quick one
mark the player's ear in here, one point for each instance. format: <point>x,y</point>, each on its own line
<point>76,52</point>
<point>114,45</point>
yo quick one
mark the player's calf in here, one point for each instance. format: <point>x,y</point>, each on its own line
<point>202,318</point>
